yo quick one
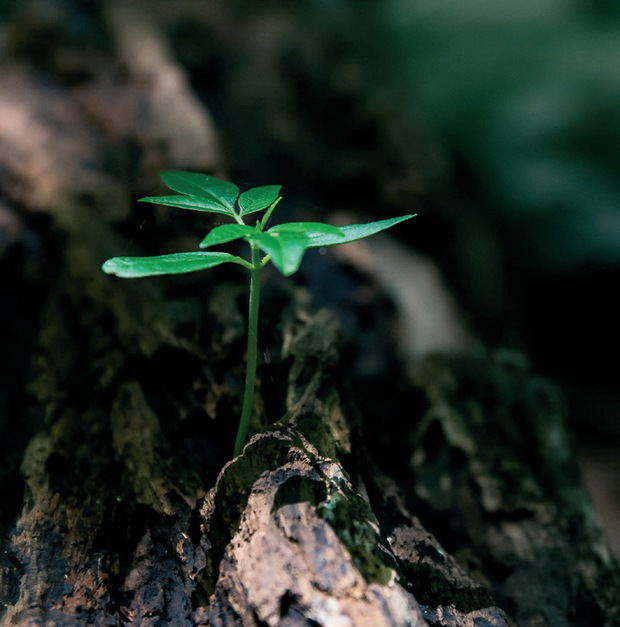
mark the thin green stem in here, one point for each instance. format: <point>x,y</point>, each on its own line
<point>263,223</point>
<point>250,371</point>
<point>244,263</point>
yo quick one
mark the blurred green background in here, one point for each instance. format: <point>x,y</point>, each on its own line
<point>524,98</point>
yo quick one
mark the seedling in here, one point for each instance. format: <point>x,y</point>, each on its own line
<point>284,245</point>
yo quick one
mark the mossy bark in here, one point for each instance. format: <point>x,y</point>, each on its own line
<point>120,504</point>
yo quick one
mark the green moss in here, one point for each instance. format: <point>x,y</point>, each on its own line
<point>351,518</point>
<point>344,510</point>
<point>299,489</point>
<point>318,433</point>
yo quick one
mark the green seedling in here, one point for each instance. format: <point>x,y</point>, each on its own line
<point>283,245</point>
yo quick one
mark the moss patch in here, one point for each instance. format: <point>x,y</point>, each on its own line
<point>351,518</point>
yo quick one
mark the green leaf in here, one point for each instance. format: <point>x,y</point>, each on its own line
<point>258,198</point>
<point>188,202</point>
<point>176,263</point>
<point>202,186</point>
<point>352,232</point>
<point>306,227</point>
<point>227,233</point>
<point>285,249</point>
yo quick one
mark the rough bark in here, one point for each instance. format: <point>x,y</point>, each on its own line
<point>464,507</point>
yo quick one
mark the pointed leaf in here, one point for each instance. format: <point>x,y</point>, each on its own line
<point>258,198</point>
<point>352,232</point>
<point>285,249</point>
<point>227,233</point>
<point>306,227</point>
<point>188,202</point>
<point>203,186</point>
<point>176,263</point>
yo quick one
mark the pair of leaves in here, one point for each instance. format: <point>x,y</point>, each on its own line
<point>284,243</point>
<point>201,192</point>
<point>287,243</point>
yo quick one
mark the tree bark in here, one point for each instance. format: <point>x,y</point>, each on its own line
<point>120,501</point>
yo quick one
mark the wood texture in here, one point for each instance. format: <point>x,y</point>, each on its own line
<point>120,504</point>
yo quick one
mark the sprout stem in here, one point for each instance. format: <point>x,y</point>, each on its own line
<point>250,371</point>
<point>263,223</point>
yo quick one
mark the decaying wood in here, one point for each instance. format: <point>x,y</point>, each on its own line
<point>465,508</point>
<point>492,461</point>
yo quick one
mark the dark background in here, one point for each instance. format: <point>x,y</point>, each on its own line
<point>498,123</point>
